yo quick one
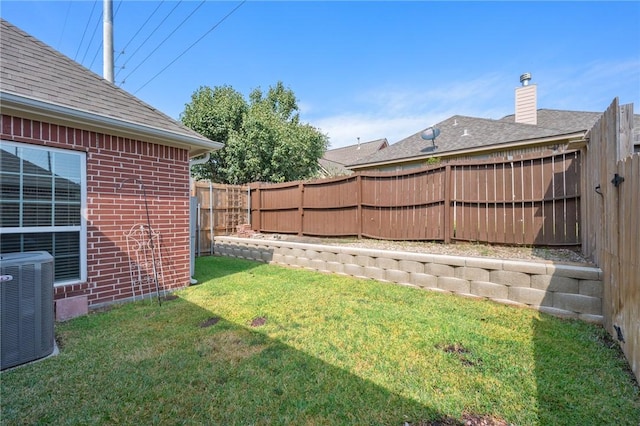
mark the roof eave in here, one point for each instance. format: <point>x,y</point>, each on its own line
<point>14,104</point>
<point>574,141</point>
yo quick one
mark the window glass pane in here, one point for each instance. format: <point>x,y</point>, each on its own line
<point>67,255</point>
<point>42,187</point>
<point>38,241</point>
<point>37,188</point>
<point>10,212</point>
<point>10,243</point>
<point>68,166</point>
<point>67,190</point>
<point>36,214</point>
<point>63,246</point>
<point>10,186</point>
<point>9,160</point>
<point>67,214</point>
<point>36,161</point>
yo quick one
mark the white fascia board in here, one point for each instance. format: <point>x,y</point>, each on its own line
<point>45,111</point>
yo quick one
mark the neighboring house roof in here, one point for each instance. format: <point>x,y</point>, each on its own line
<point>460,134</point>
<point>334,160</point>
<point>41,83</point>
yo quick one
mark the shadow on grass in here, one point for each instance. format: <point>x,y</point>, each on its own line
<point>181,364</point>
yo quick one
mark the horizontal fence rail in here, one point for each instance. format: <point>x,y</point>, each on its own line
<point>532,200</point>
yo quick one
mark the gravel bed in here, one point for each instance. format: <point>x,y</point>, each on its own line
<point>549,254</point>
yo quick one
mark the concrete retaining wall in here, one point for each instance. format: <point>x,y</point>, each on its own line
<point>562,290</point>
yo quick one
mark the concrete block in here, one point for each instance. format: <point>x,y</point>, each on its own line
<point>290,260</point>
<point>411,266</point>
<point>328,256</point>
<point>555,284</point>
<point>298,252</point>
<point>374,273</point>
<point>311,254</point>
<point>510,278</point>
<point>318,264</point>
<point>335,267</point>
<point>530,296</point>
<point>71,307</point>
<point>397,276</point>
<point>472,274</point>
<point>560,313</point>
<point>278,258</point>
<point>424,280</point>
<point>579,272</point>
<point>488,289</point>
<point>578,303</point>
<point>526,267</point>
<point>449,260</point>
<point>386,263</point>
<point>345,258</point>
<point>595,319</point>
<point>439,270</point>
<point>484,263</point>
<point>364,260</point>
<point>455,285</point>
<point>591,288</point>
<point>256,254</point>
<point>303,262</point>
<point>355,270</point>
<point>266,255</point>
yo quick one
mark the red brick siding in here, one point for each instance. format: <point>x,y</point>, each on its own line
<point>111,212</point>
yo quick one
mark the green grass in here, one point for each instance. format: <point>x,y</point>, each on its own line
<point>333,351</point>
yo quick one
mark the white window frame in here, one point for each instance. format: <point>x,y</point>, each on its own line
<point>56,229</point>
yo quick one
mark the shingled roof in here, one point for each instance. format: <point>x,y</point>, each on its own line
<point>468,134</point>
<point>334,160</point>
<point>42,83</point>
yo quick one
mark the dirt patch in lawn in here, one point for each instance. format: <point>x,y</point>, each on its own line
<point>467,420</point>
<point>258,322</point>
<point>209,322</point>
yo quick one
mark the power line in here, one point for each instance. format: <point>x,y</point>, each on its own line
<point>95,29</point>
<point>194,43</point>
<point>148,37</point>
<point>163,41</point>
<point>64,26</point>
<point>139,29</point>
<point>85,29</point>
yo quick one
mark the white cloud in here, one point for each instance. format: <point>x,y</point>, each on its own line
<point>397,113</point>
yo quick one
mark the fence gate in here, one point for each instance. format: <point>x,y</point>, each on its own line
<point>219,210</point>
<point>611,203</point>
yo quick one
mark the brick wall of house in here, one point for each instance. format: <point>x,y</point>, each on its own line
<point>111,212</point>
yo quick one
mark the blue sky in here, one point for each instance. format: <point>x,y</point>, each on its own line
<point>359,69</point>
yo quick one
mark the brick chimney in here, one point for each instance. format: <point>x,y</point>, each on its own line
<point>526,101</point>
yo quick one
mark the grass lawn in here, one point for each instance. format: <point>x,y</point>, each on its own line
<point>260,344</point>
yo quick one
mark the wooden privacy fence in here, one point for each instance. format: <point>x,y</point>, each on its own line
<point>220,209</point>
<point>530,200</point>
<point>611,208</point>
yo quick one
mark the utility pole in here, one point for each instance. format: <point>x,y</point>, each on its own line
<point>107,36</point>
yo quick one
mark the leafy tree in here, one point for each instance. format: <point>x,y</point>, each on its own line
<point>216,114</point>
<point>269,145</point>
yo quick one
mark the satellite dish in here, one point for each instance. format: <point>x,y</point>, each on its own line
<point>430,134</point>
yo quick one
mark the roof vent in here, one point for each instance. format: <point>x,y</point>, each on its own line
<point>525,78</point>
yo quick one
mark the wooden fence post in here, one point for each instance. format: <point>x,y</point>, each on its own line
<point>359,202</point>
<point>448,230</point>
<point>301,209</point>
